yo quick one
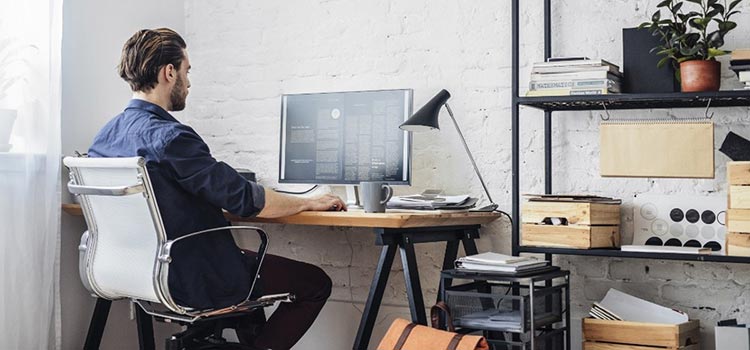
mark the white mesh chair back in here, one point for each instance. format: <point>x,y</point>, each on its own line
<point>125,228</point>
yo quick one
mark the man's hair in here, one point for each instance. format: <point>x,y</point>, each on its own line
<point>146,52</point>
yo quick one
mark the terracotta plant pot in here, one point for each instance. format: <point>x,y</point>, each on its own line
<point>700,75</point>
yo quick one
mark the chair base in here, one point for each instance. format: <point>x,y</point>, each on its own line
<point>200,335</point>
<point>207,334</point>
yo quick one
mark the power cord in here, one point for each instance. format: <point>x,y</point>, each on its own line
<point>298,193</point>
<point>510,218</point>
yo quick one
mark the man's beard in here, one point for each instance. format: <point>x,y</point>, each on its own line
<point>176,97</point>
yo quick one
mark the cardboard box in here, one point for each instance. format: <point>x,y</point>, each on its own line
<point>732,338</point>
<point>623,335</point>
<point>570,236</point>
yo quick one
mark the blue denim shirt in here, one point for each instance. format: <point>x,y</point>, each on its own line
<point>191,188</point>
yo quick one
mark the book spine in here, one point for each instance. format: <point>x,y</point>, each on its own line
<point>573,84</point>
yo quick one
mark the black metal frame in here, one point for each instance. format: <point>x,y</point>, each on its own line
<point>516,282</point>
<point>404,239</point>
<point>550,104</point>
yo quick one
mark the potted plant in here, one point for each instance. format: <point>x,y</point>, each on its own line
<point>11,58</point>
<point>691,39</point>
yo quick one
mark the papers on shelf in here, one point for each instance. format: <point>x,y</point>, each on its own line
<point>665,249</point>
<point>617,305</point>
<point>498,262</point>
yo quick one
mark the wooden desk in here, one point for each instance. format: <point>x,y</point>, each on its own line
<point>393,231</point>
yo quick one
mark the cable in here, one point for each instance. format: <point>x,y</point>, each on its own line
<point>510,218</point>
<point>302,192</point>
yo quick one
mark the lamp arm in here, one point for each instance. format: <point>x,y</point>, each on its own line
<point>463,140</point>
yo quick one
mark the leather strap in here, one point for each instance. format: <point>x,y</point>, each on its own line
<point>404,336</point>
<point>453,345</point>
<point>435,317</point>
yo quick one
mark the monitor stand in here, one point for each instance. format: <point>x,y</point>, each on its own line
<point>352,197</point>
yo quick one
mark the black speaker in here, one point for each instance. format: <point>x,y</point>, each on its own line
<point>640,74</point>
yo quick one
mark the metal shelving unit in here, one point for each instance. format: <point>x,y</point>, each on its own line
<point>587,103</point>
<point>535,297</point>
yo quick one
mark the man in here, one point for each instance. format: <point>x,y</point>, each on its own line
<point>191,188</point>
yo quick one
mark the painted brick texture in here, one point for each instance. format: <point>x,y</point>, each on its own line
<point>245,54</point>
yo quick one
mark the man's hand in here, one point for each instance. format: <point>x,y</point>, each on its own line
<point>279,205</point>
<point>327,202</point>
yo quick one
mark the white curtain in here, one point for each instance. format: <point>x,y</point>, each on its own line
<point>30,63</point>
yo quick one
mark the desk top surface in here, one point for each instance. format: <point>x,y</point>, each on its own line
<point>359,218</point>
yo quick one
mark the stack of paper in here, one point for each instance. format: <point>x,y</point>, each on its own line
<point>619,306</point>
<point>498,262</point>
<point>432,202</point>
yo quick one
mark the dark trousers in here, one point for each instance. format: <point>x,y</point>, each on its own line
<point>311,287</point>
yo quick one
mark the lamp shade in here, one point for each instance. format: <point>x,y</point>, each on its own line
<point>426,117</point>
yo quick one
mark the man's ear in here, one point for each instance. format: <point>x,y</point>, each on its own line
<point>170,73</point>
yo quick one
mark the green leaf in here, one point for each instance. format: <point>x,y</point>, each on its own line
<point>699,2</point>
<point>656,16</point>
<point>719,8</point>
<point>711,14</point>
<point>733,4</point>
<point>677,7</point>
<point>664,3</point>
<point>716,52</point>
<point>727,26</point>
<point>715,39</point>
<point>663,61</point>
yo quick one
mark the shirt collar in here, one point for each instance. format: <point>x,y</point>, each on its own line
<point>153,108</point>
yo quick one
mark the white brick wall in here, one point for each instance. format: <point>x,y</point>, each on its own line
<point>246,54</point>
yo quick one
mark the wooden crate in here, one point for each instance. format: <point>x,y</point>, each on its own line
<point>738,244</point>
<point>738,173</point>
<point>576,213</point>
<point>622,335</point>
<point>571,236</point>
<point>738,220</point>
<point>739,197</point>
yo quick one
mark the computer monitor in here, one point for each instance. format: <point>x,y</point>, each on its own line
<point>343,138</point>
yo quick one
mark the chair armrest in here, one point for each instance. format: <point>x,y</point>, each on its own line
<point>165,255</point>
<point>106,191</point>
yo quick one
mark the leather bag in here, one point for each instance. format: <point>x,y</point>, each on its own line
<point>404,335</point>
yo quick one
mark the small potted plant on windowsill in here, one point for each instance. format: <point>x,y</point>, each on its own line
<point>12,62</point>
<point>692,39</point>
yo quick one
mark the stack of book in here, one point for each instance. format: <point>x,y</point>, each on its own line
<point>565,76</point>
<point>740,64</point>
<point>499,263</point>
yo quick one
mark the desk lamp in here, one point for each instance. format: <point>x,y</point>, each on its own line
<point>426,119</point>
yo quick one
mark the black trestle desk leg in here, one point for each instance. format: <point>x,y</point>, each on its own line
<point>451,253</point>
<point>97,325</point>
<point>470,246</point>
<point>374,298</point>
<point>145,329</point>
<point>413,286</point>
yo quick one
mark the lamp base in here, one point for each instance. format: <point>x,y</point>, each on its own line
<point>489,208</point>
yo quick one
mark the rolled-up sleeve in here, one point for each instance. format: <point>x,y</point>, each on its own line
<point>189,161</point>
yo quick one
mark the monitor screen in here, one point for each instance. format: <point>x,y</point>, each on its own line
<point>345,137</point>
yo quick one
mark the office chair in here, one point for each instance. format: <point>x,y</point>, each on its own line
<point>125,254</point>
